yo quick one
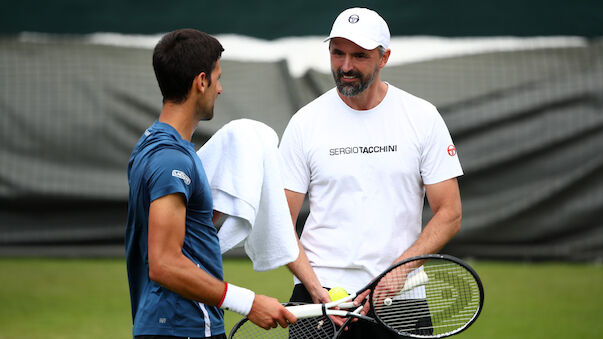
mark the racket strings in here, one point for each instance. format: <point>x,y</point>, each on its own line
<point>444,302</point>
<point>309,328</point>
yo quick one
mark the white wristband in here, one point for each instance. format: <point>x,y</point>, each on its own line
<point>237,299</point>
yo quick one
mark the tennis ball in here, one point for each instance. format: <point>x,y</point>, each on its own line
<point>337,293</point>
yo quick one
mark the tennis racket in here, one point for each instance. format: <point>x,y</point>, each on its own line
<point>428,296</point>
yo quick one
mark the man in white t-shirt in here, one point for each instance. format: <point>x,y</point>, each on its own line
<point>367,154</point>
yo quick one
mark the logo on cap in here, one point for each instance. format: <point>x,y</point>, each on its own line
<point>353,19</point>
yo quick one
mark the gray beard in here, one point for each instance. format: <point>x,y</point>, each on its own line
<point>352,90</point>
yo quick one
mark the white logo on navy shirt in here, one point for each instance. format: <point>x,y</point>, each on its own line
<point>181,175</point>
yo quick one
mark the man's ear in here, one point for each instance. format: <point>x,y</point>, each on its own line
<point>385,58</point>
<point>201,82</point>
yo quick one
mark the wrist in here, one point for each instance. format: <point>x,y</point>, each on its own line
<point>237,299</point>
<point>313,286</point>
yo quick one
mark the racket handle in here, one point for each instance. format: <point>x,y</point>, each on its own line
<point>347,305</point>
<point>306,311</point>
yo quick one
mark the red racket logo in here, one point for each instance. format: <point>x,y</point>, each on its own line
<point>451,150</point>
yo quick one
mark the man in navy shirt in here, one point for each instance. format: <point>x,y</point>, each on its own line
<point>172,249</point>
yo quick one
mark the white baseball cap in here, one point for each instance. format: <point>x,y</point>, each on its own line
<point>361,26</point>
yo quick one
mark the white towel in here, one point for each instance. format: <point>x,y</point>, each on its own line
<point>243,166</point>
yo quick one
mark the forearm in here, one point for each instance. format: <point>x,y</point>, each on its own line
<point>445,202</point>
<point>440,229</point>
<point>302,269</point>
<point>168,266</point>
<point>180,275</point>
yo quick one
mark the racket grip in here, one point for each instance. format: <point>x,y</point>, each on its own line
<point>306,311</point>
<point>349,304</point>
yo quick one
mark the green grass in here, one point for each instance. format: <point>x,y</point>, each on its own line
<point>60,298</point>
<point>63,299</point>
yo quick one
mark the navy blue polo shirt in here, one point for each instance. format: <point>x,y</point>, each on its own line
<point>163,163</point>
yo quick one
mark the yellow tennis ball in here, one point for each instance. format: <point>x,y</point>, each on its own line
<point>337,293</point>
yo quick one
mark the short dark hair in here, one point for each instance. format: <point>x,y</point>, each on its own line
<point>179,57</point>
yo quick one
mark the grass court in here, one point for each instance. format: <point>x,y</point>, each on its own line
<point>88,298</point>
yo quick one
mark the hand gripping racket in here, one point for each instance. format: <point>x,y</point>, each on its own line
<point>429,296</point>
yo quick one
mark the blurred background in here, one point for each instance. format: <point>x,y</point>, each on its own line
<point>519,84</point>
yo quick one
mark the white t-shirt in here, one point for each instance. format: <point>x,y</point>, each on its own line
<point>364,173</point>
